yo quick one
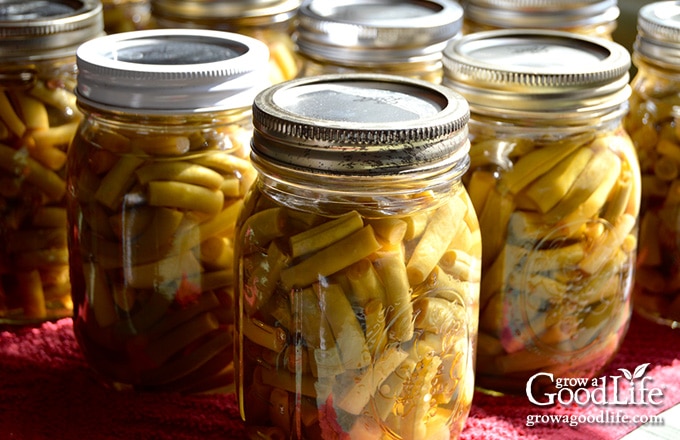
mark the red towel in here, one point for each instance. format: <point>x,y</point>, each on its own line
<point>48,392</point>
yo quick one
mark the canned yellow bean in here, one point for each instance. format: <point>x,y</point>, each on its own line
<point>157,175</point>
<point>596,18</point>
<point>269,21</point>
<point>358,256</point>
<point>556,185</point>
<point>653,125</point>
<point>38,117</point>
<point>404,37</point>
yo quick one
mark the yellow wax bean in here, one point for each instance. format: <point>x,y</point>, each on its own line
<point>224,221</point>
<point>117,181</point>
<point>493,221</point>
<point>391,389</point>
<point>415,225</point>
<point>10,117</point>
<point>217,252</point>
<point>439,232</point>
<point>49,217</point>
<point>59,97</point>
<point>548,190</point>
<point>319,237</point>
<point>31,294</point>
<point>415,413</point>
<point>52,158</point>
<point>331,259</point>
<point>261,228</point>
<point>272,338</point>
<point>160,145</point>
<point>364,282</point>
<point>540,161</point>
<point>42,258</point>
<point>224,163</point>
<point>349,336</point>
<point>480,185</point>
<point>55,137</point>
<point>392,271</point>
<point>667,147</point>
<point>392,230</point>
<point>180,337</point>
<point>231,186</point>
<point>262,276</point>
<point>178,171</point>
<point>18,163</point>
<point>461,265</point>
<point>185,196</point>
<point>354,398</point>
<point>35,239</point>
<point>610,242</point>
<point>32,111</point>
<point>171,269</point>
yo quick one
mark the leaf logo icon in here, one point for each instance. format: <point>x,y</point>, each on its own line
<point>638,373</point>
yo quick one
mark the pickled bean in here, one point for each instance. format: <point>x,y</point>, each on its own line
<point>157,232</point>
<point>349,309</point>
<point>558,233</point>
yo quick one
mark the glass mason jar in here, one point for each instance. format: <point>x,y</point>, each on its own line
<point>358,257</point>
<point>126,15</point>
<point>586,17</point>
<point>556,186</point>
<point>654,123</point>
<point>157,174</point>
<point>404,38</point>
<point>38,117</point>
<point>270,21</point>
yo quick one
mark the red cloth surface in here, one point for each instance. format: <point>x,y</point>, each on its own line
<point>48,392</point>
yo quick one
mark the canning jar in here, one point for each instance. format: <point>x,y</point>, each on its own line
<point>404,37</point>
<point>586,17</point>
<point>654,123</point>
<point>556,186</point>
<point>269,21</point>
<point>358,257</point>
<point>38,117</point>
<point>157,173</point>
<point>126,15</point>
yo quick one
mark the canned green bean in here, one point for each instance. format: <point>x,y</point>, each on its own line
<point>157,174</point>
<point>555,182</point>
<point>358,255</point>
<point>38,118</point>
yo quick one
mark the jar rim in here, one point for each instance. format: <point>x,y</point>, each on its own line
<point>544,14</point>
<point>537,70</point>
<point>376,31</point>
<point>658,33</point>
<point>44,29</point>
<point>360,124</point>
<point>170,70</point>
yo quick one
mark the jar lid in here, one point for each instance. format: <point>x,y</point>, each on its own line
<point>537,70</point>
<point>360,124</point>
<point>658,33</point>
<point>376,31</point>
<point>254,12</point>
<point>170,70</point>
<point>541,14</point>
<point>41,29</point>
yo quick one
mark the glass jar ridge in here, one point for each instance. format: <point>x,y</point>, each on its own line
<point>327,295</point>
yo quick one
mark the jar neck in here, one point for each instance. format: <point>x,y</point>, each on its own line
<point>536,126</point>
<point>647,66</point>
<point>24,74</point>
<point>378,195</point>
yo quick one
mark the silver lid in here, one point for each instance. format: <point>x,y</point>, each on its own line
<point>360,124</point>
<point>376,31</point>
<point>170,70</point>
<point>537,70</point>
<point>42,29</point>
<point>255,12</point>
<point>658,33</point>
<point>541,14</point>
